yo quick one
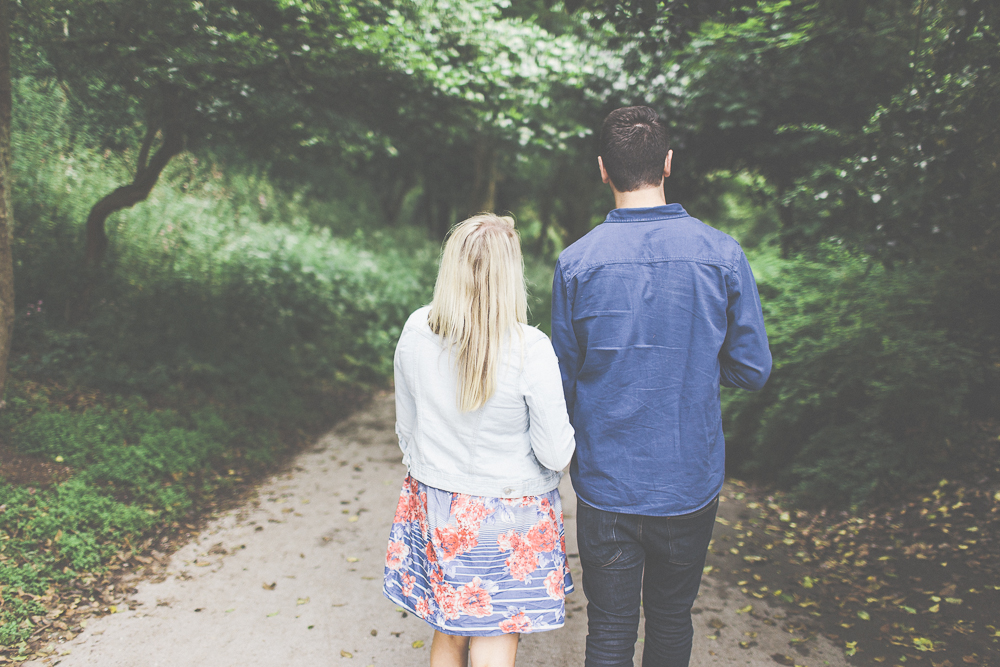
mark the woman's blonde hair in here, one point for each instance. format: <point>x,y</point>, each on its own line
<point>479,299</point>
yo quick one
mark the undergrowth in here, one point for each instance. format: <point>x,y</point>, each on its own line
<point>225,324</point>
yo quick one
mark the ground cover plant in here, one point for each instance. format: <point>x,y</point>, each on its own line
<point>913,580</point>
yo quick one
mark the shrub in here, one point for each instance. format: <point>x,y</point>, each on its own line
<point>871,386</point>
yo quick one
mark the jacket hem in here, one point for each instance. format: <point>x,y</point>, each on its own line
<point>489,488</point>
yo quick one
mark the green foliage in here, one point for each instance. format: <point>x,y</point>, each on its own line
<point>202,288</point>
<point>226,319</point>
<point>871,387</point>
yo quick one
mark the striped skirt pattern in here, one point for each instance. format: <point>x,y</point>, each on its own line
<point>476,565</point>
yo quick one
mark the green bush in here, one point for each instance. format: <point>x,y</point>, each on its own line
<point>215,281</point>
<point>223,319</point>
<point>871,386</point>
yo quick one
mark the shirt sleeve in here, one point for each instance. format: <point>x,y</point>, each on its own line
<point>564,338</point>
<point>406,404</point>
<point>745,359</point>
<point>552,437</point>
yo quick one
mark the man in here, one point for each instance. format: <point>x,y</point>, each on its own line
<point>650,312</point>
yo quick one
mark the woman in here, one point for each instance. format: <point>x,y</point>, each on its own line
<point>477,547</point>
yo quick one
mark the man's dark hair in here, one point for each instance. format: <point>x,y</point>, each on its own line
<point>634,145</point>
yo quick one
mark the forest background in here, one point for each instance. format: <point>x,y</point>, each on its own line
<point>219,215</point>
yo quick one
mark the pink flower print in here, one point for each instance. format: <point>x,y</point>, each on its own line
<point>402,508</point>
<point>523,560</point>
<point>475,599</point>
<point>470,511</point>
<point>431,553</point>
<point>554,584</point>
<point>447,599</point>
<point>521,564</point>
<point>423,607</point>
<point>408,581</point>
<point>468,538</point>
<point>411,506</point>
<point>449,541</point>
<point>517,622</point>
<point>396,554</point>
<point>543,536</point>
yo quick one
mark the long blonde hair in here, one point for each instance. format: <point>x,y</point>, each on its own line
<point>479,299</point>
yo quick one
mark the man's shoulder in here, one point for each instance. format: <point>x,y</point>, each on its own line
<point>685,237</point>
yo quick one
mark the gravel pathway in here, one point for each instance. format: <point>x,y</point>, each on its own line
<point>294,577</point>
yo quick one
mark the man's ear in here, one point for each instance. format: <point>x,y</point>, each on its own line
<point>604,172</point>
<point>666,164</point>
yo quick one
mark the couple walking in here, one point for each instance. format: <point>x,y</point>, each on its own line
<point>651,312</point>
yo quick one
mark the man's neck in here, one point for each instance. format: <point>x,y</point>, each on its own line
<point>641,198</point>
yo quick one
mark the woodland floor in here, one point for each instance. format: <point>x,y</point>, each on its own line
<point>911,582</point>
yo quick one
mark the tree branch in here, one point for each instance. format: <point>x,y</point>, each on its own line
<point>147,144</point>
<point>138,190</point>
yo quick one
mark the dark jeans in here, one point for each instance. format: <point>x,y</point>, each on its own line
<point>627,557</point>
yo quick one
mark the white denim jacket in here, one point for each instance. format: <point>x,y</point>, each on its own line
<point>515,445</point>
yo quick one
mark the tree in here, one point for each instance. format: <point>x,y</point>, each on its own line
<point>495,90</point>
<point>273,75</point>
<point>6,213</point>
<point>828,99</point>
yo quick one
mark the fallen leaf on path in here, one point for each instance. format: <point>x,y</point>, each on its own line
<point>783,659</point>
<point>747,644</point>
<point>352,519</point>
<point>301,601</point>
<point>269,587</point>
<point>274,613</point>
<point>745,609</point>
<point>352,559</point>
<point>418,644</point>
<point>346,654</point>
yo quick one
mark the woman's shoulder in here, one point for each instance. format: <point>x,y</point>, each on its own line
<point>418,319</point>
<point>534,338</point>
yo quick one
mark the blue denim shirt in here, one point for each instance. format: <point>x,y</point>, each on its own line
<point>650,312</point>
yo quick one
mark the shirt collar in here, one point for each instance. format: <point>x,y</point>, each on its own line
<point>646,214</point>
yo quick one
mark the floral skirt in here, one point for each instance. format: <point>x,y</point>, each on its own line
<point>476,565</point>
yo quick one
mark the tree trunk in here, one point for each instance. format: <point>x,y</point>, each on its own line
<point>392,193</point>
<point>484,177</point>
<point>127,196</point>
<point>6,212</point>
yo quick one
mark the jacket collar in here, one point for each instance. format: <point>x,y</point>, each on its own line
<point>646,214</point>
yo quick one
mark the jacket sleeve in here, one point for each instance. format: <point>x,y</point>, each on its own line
<point>406,404</point>
<point>745,359</point>
<point>552,437</point>
<point>564,338</point>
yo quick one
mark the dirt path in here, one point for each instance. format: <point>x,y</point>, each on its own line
<point>294,577</point>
